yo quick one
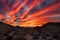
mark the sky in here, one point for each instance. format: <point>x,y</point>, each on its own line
<point>28,13</point>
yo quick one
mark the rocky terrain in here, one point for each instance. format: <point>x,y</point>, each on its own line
<point>49,31</point>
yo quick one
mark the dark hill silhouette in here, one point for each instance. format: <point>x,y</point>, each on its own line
<point>49,31</point>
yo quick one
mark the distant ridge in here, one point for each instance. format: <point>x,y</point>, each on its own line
<point>49,31</point>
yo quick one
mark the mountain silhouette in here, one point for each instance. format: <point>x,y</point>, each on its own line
<point>49,31</point>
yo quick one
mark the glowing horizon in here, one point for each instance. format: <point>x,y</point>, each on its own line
<point>29,12</point>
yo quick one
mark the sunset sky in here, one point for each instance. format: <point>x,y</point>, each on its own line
<point>28,13</point>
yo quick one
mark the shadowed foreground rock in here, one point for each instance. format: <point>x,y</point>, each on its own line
<point>49,31</point>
